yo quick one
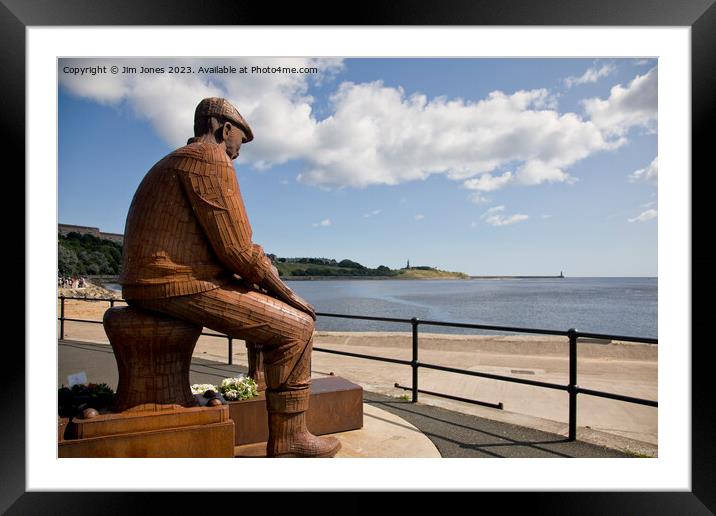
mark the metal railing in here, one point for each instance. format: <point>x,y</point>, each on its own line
<point>112,301</point>
<point>572,388</point>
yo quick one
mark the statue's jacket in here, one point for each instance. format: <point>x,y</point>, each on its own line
<point>187,231</point>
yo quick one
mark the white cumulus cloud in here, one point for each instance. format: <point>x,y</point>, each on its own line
<point>644,216</point>
<point>494,217</point>
<point>380,135</point>
<point>649,173</point>
<point>593,74</point>
<point>323,223</point>
<point>419,216</point>
<point>373,134</point>
<point>488,183</point>
<point>478,198</point>
<point>626,107</point>
<point>276,105</point>
<point>372,213</point>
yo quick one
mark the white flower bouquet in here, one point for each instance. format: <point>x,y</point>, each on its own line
<point>238,388</point>
<point>201,388</point>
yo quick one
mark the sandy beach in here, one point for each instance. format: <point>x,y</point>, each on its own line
<point>618,367</point>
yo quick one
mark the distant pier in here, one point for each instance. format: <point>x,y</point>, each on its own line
<point>559,276</point>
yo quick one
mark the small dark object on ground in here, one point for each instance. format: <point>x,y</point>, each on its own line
<point>89,413</point>
<point>72,401</point>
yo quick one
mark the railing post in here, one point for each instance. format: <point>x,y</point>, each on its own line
<point>62,317</point>
<point>231,350</point>
<point>414,365</point>
<point>573,335</point>
<point>111,303</point>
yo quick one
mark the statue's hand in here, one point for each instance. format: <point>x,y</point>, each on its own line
<point>303,305</point>
<point>279,289</point>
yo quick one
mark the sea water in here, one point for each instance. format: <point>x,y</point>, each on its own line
<point>616,306</point>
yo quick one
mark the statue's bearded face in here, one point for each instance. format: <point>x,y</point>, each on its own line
<point>233,138</point>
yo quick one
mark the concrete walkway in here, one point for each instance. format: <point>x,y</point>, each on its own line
<point>392,427</point>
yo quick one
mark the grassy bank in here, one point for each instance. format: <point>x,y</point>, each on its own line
<point>430,274</point>
<point>313,271</point>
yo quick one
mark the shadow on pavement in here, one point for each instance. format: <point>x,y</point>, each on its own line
<point>463,435</point>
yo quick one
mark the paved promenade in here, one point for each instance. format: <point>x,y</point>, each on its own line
<point>392,427</point>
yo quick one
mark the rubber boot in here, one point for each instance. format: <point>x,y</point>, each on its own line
<point>288,433</point>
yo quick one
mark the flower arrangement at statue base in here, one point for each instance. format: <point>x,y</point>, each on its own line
<point>72,401</point>
<point>247,406</point>
<point>81,401</point>
<point>238,388</point>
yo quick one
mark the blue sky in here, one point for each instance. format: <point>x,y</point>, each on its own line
<point>487,166</point>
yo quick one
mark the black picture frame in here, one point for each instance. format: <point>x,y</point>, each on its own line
<point>699,15</point>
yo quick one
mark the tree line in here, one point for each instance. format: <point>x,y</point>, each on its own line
<point>329,267</point>
<point>350,264</point>
<point>85,254</point>
<point>381,270</point>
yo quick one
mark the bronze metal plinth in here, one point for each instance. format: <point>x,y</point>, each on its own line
<point>336,405</point>
<point>177,432</point>
<point>153,354</point>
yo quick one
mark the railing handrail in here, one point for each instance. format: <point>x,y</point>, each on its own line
<point>574,335</point>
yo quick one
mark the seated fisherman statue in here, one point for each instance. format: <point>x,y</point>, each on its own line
<point>188,254</point>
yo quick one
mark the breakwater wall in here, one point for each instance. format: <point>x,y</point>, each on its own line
<point>517,277</point>
<point>320,278</point>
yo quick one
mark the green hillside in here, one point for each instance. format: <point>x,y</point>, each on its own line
<point>430,274</point>
<point>316,267</point>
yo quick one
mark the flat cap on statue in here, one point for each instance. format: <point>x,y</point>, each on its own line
<point>218,107</point>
